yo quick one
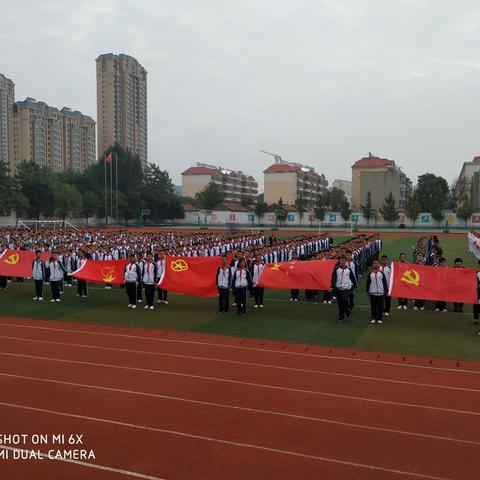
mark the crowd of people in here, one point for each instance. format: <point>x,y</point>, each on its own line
<point>244,256</point>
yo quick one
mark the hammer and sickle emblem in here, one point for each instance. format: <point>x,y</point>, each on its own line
<point>12,259</point>
<point>412,277</point>
<point>276,266</point>
<point>179,265</point>
<point>107,273</point>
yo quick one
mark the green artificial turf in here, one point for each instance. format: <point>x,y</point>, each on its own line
<point>421,333</point>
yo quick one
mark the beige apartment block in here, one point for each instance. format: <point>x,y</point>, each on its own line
<point>290,181</point>
<point>7,99</point>
<point>236,186</point>
<point>56,139</point>
<point>379,176</point>
<point>122,104</point>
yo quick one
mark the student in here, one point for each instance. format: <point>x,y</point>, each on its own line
<point>241,279</point>
<point>418,303</point>
<point>351,265</point>
<point>141,265</point>
<point>38,275</point>
<point>131,276</point>
<point>476,306</point>
<point>440,305</point>
<point>402,302</point>
<point>294,292</point>
<point>81,284</point>
<point>387,271</point>
<point>149,277</point>
<point>57,271</point>
<point>223,282</point>
<point>458,307</point>
<point>162,294</point>
<point>343,280</point>
<point>257,269</point>
<point>376,288</point>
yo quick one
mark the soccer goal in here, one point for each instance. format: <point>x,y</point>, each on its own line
<point>51,224</point>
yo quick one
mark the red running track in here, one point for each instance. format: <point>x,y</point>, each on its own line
<point>155,404</point>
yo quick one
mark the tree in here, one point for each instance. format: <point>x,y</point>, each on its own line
<point>367,209</point>
<point>21,205</point>
<point>260,209</point>
<point>433,192</point>
<point>437,214</point>
<point>319,212</point>
<point>6,190</point>
<point>90,205</point>
<point>465,211</point>
<point>413,209</point>
<point>335,198</point>
<point>210,196</point>
<point>67,200</point>
<point>301,207</point>
<point>389,210</point>
<point>280,210</point>
<point>345,211</point>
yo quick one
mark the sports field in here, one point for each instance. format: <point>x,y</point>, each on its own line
<point>421,333</point>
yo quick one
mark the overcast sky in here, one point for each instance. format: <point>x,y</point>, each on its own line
<point>322,82</point>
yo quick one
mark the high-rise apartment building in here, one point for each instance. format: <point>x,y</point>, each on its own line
<point>237,187</point>
<point>57,139</point>
<point>122,104</point>
<point>7,98</point>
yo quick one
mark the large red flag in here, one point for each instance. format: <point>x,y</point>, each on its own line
<point>102,271</point>
<point>191,275</point>
<point>16,263</point>
<point>310,275</point>
<point>433,283</point>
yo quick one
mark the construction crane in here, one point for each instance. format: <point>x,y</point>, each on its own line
<point>276,156</point>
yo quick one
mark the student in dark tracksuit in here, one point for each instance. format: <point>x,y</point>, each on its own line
<point>458,307</point>
<point>223,282</point>
<point>402,302</point>
<point>82,290</point>
<point>440,305</point>
<point>376,288</point>
<point>343,281</point>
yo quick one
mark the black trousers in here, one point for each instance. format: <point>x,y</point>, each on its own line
<point>131,289</point>
<point>258,294</point>
<point>162,294</point>
<point>39,288</point>
<point>55,286</point>
<point>376,305</point>
<point>343,300</point>
<point>327,296</point>
<point>351,300</point>
<point>294,294</point>
<point>419,303</point>
<point>149,294</point>
<point>139,291</point>
<point>241,299</point>
<point>82,287</point>
<point>476,311</point>
<point>3,282</point>
<point>458,307</point>
<point>441,305</point>
<point>223,299</point>
<point>403,302</point>
<point>67,279</point>
<point>387,303</point>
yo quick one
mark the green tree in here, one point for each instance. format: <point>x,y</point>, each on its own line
<point>260,209</point>
<point>319,212</point>
<point>437,214</point>
<point>413,209</point>
<point>21,205</point>
<point>389,210</point>
<point>301,207</point>
<point>367,209</point>
<point>210,196</point>
<point>67,199</point>
<point>6,190</point>
<point>90,202</point>
<point>280,214</point>
<point>465,211</point>
<point>433,192</point>
<point>345,211</point>
<point>335,198</point>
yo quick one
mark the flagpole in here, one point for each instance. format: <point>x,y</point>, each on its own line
<point>111,189</point>
<point>116,183</point>
<point>105,189</point>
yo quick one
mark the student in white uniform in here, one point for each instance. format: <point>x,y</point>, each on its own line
<point>257,269</point>
<point>223,282</point>
<point>57,271</point>
<point>38,275</point>
<point>387,271</point>
<point>131,276</point>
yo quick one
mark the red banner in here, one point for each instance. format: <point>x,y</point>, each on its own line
<point>310,275</point>
<point>102,271</point>
<point>191,275</point>
<point>433,283</point>
<point>16,263</point>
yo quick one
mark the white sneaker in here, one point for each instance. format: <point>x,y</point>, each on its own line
<point>255,306</point>
<point>291,299</point>
<point>372,321</point>
<point>52,300</point>
<point>234,304</point>
<point>139,301</point>
<point>422,308</point>
<point>35,298</point>
<point>69,285</point>
<point>329,302</point>
<point>399,307</point>
<point>84,296</point>
<point>380,322</point>
<point>107,287</point>
<point>444,310</point>
<point>146,307</point>
<point>415,308</point>
<point>405,307</point>
<point>40,298</point>
<point>165,302</point>
<point>261,306</point>
<point>325,301</point>
<point>152,307</point>
<point>296,299</point>
<point>58,300</point>
<point>78,295</point>
<point>129,305</point>
<point>386,314</point>
<point>159,301</point>
<point>134,306</point>
<point>437,309</point>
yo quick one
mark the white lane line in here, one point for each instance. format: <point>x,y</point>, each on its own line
<point>236,407</point>
<point>334,395</point>
<point>232,443</point>
<point>79,462</point>
<point>258,349</point>
<point>247,364</point>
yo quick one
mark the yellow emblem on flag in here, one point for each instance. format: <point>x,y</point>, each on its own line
<point>179,265</point>
<point>12,259</point>
<point>275,266</point>
<point>107,273</point>
<point>411,277</point>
